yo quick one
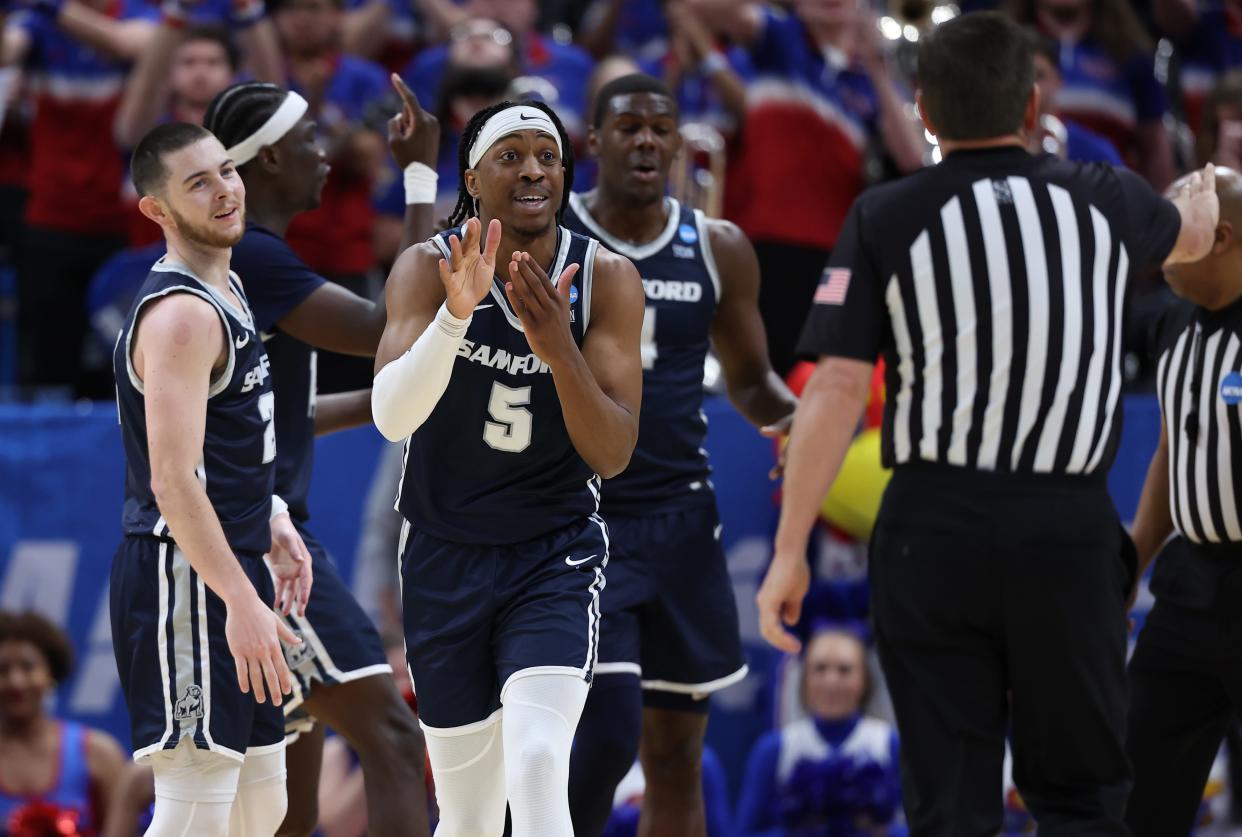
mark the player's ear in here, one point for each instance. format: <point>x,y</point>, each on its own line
<point>268,158</point>
<point>918,103</point>
<point>593,141</point>
<point>154,208</point>
<point>1224,237</point>
<point>1030,119</point>
<point>471,179</point>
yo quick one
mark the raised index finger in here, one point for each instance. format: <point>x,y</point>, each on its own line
<point>408,100</point>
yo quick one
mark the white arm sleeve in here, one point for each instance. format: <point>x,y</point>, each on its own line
<point>408,388</point>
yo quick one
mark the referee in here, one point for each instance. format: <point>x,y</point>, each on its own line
<point>993,283</point>
<point>1186,672</point>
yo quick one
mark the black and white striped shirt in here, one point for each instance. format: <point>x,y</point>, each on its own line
<point>994,285</point>
<point>1200,386</point>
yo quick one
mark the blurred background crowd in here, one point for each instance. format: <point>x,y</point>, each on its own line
<point>789,111</point>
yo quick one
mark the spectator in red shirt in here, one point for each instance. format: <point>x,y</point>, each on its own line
<point>75,55</point>
<point>819,97</point>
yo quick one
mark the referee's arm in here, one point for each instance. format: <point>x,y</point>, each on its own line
<point>847,327</point>
<point>1153,522</point>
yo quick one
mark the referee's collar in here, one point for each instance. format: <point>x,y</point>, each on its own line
<point>1231,314</point>
<point>991,152</point>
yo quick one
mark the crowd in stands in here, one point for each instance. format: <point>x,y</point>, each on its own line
<point>791,110</point>
<point>796,108</point>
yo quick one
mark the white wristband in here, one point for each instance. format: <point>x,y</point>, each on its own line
<point>279,506</point>
<point>420,184</point>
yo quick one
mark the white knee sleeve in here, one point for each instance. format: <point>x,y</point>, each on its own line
<point>541,712</point>
<point>175,818</point>
<point>194,791</point>
<point>469,769</point>
<point>260,805</point>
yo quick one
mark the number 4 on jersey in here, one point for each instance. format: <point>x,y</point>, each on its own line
<point>648,351</point>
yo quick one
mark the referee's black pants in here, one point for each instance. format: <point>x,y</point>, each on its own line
<point>1185,684</point>
<point>999,606</point>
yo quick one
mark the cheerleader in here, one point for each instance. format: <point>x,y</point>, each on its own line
<point>834,773</point>
<point>55,775</point>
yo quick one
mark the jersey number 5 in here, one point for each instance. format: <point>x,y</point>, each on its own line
<point>510,432</point>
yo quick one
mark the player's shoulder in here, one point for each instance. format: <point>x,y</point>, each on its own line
<point>415,276</point>
<point>616,283</point>
<point>181,319</point>
<point>612,265</point>
<point>419,259</point>
<point>721,232</point>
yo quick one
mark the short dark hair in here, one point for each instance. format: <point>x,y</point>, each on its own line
<point>147,165</point>
<point>217,34</point>
<point>40,632</point>
<point>466,207</point>
<point>975,74</point>
<point>632,83</point>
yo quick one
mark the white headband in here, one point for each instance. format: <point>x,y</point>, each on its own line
<point>277,125</point>
<point>519,118</point>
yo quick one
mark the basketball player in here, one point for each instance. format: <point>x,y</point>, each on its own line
<point>341,674</point>
<point>520,393</point>
<point>191,598</point>
<point>671,635</point>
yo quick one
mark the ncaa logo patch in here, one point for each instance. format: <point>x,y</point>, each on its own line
<point>1231,389</point>
<point>687,233</point>
<point>573,294</point>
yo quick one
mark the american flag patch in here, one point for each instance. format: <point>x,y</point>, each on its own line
<point>832,286</point>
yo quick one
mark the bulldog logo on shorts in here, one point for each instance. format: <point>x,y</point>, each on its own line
<point>296,655</point>
<point>190,704</point>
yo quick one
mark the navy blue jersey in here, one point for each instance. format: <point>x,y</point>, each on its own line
<point>277,282</point>
<point>669,468</point>
<point>239,442</point>
<point>493,463</point>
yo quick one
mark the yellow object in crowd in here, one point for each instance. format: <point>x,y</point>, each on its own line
<point>853,502</point>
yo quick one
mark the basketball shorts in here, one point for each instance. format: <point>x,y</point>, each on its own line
<point>669,612</point>
<point>177,673</point>
<point>339,641</point>
<point>478,616</point>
